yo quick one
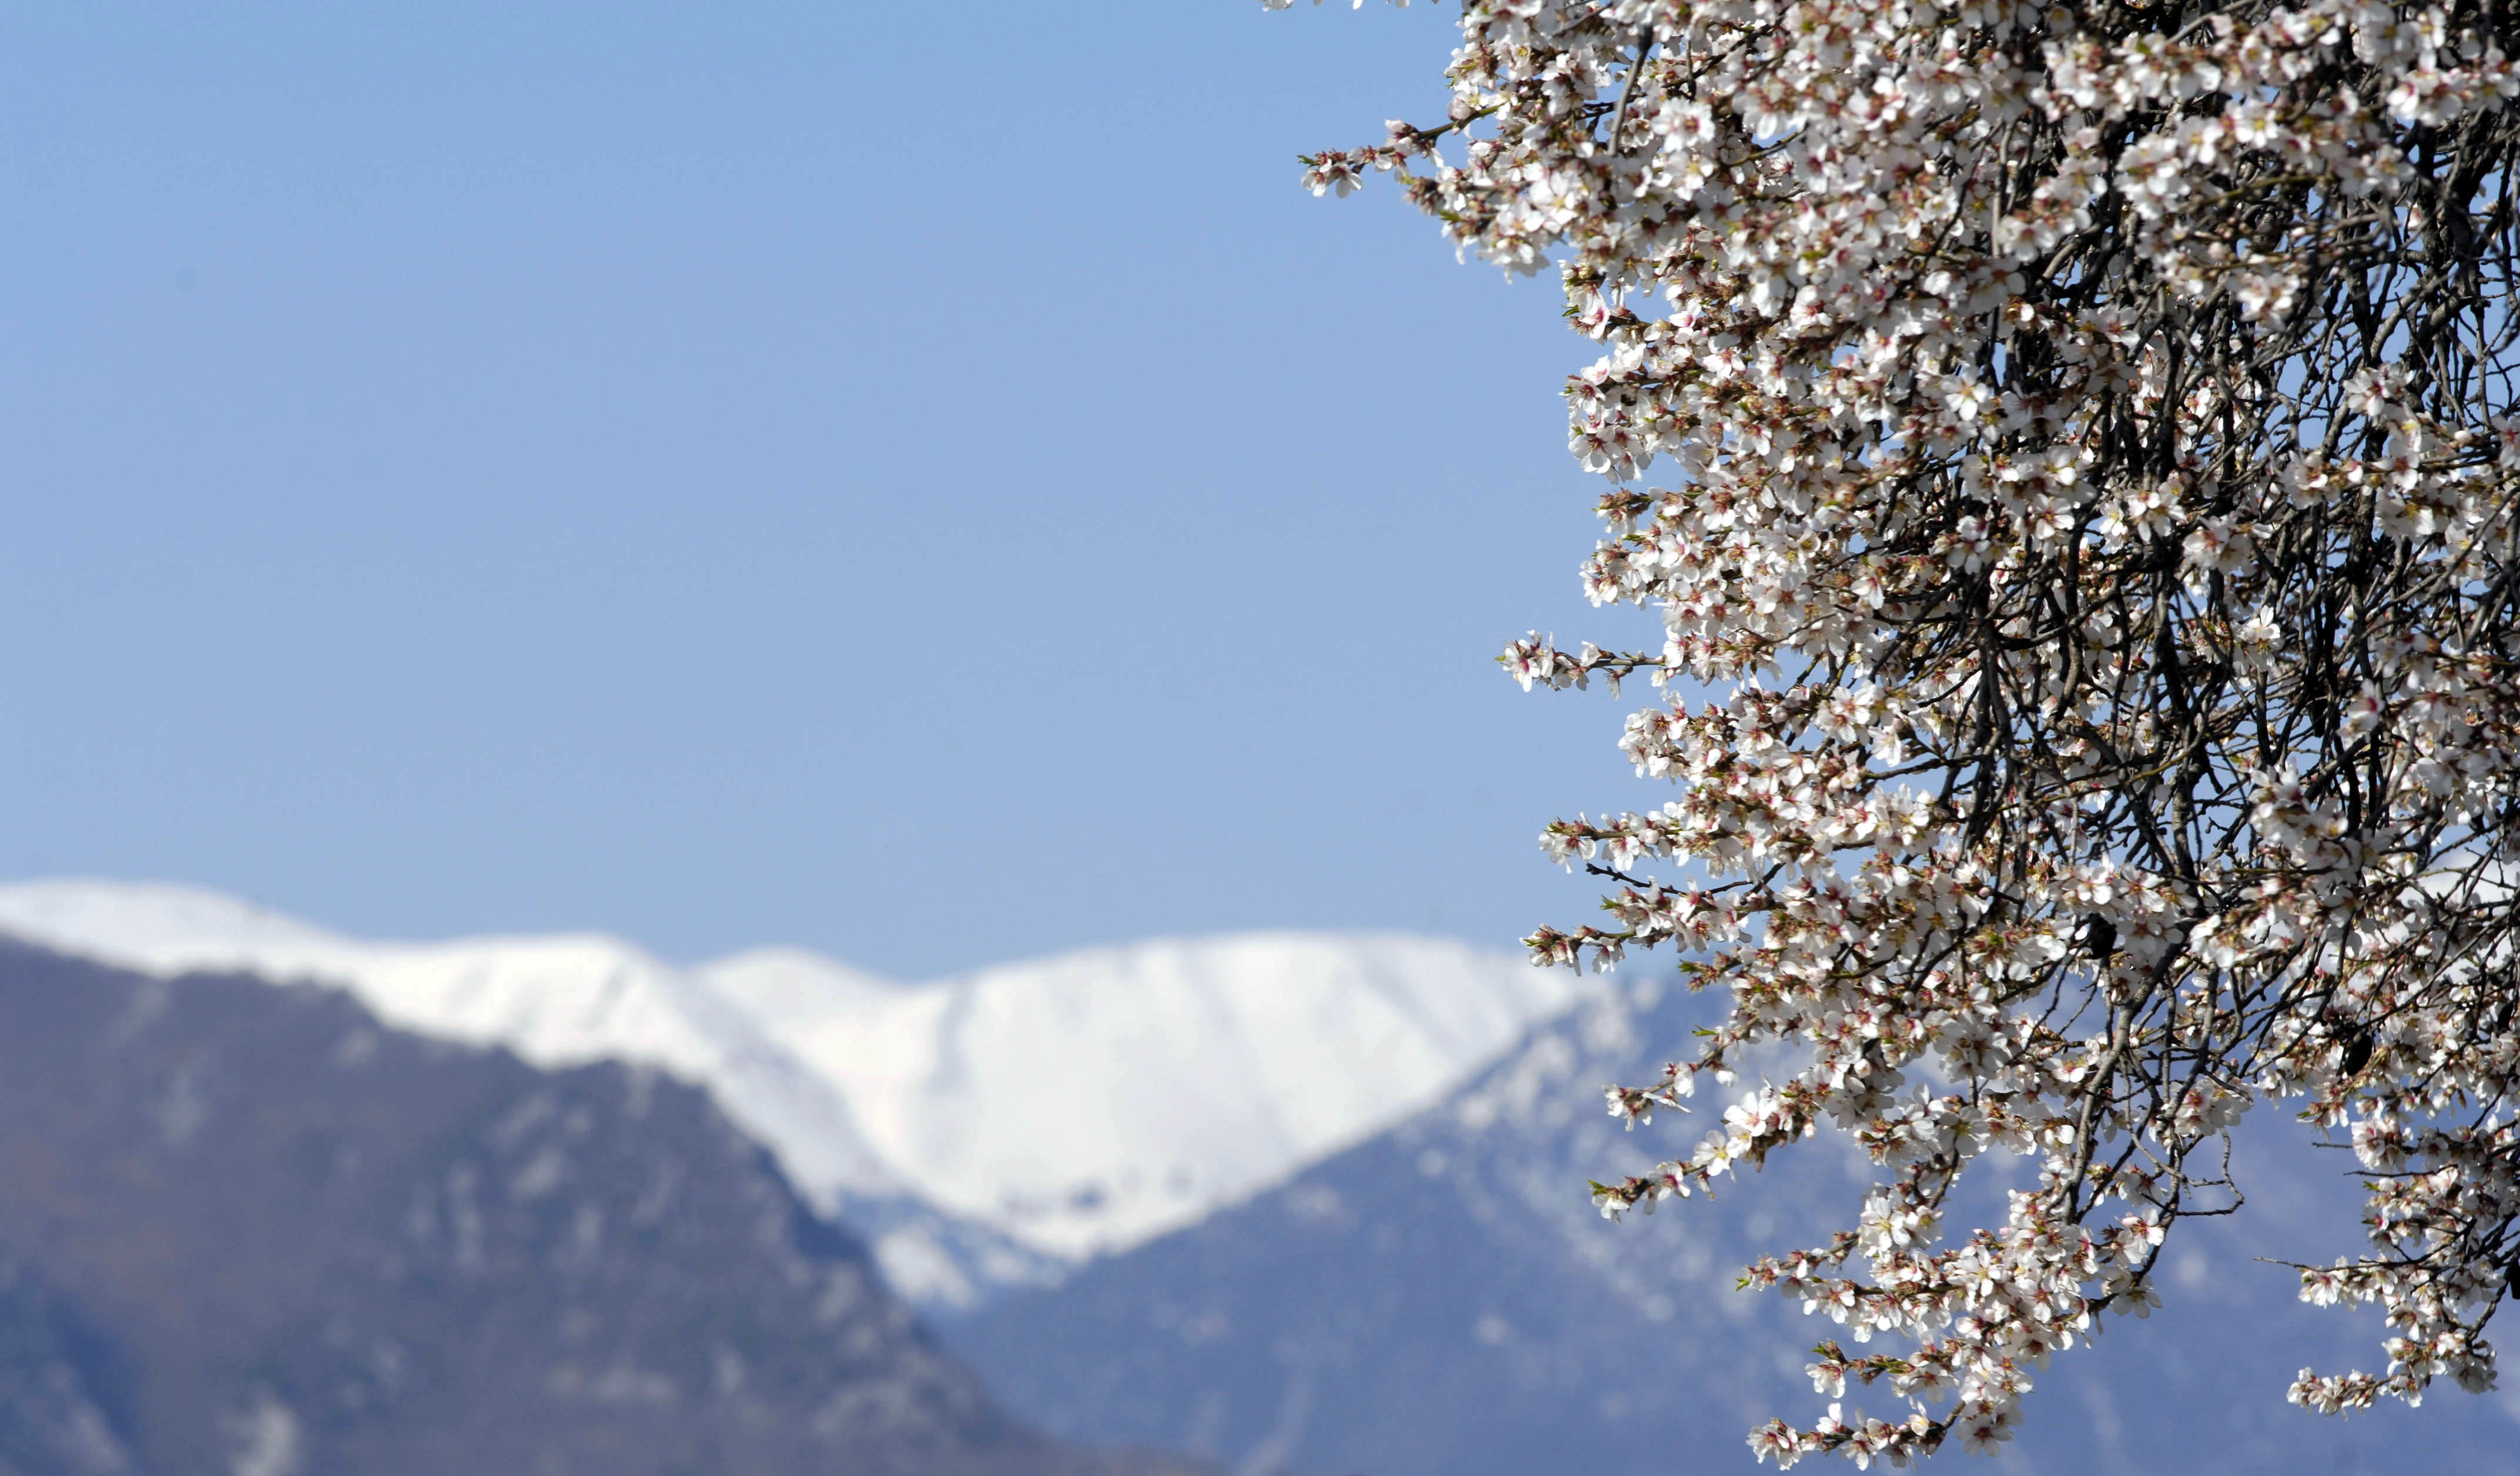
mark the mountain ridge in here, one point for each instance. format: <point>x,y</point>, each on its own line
<point>1060,1108</point>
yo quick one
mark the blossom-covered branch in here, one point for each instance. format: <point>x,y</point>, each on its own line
<point>2088,559</point>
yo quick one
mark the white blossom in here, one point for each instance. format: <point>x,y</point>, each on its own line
<point>2087,559</point>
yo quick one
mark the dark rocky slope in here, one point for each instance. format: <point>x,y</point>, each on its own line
<point>243,1228</point>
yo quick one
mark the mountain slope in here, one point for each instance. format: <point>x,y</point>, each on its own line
<point>1035,1114</point>
<point>244,1229</point>
<point>1444,1301</point>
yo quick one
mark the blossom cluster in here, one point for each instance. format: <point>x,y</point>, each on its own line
<point>2089,570</point>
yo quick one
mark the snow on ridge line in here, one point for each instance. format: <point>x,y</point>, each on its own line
<point>559,1000</point>
<point>1078,1105</point>
<point>1087,1103</point>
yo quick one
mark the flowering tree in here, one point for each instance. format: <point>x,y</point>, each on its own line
<point>2089,570</point>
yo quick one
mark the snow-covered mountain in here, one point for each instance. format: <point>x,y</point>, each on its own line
<point>1340,1228</point>
<point>1089,1102</point>
<point>1073,1106</point>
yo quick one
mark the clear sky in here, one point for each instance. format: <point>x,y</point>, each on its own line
<point>920,482</point>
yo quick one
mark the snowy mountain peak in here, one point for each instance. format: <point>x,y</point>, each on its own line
<point>794,987</point>
<point>158,926</point>
<point>1075,1106</point>
<point>1091,1101</point>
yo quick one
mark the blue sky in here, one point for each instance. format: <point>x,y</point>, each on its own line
<point>925,486</point>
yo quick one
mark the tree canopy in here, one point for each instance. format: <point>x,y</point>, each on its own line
<point>2071,448</point>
